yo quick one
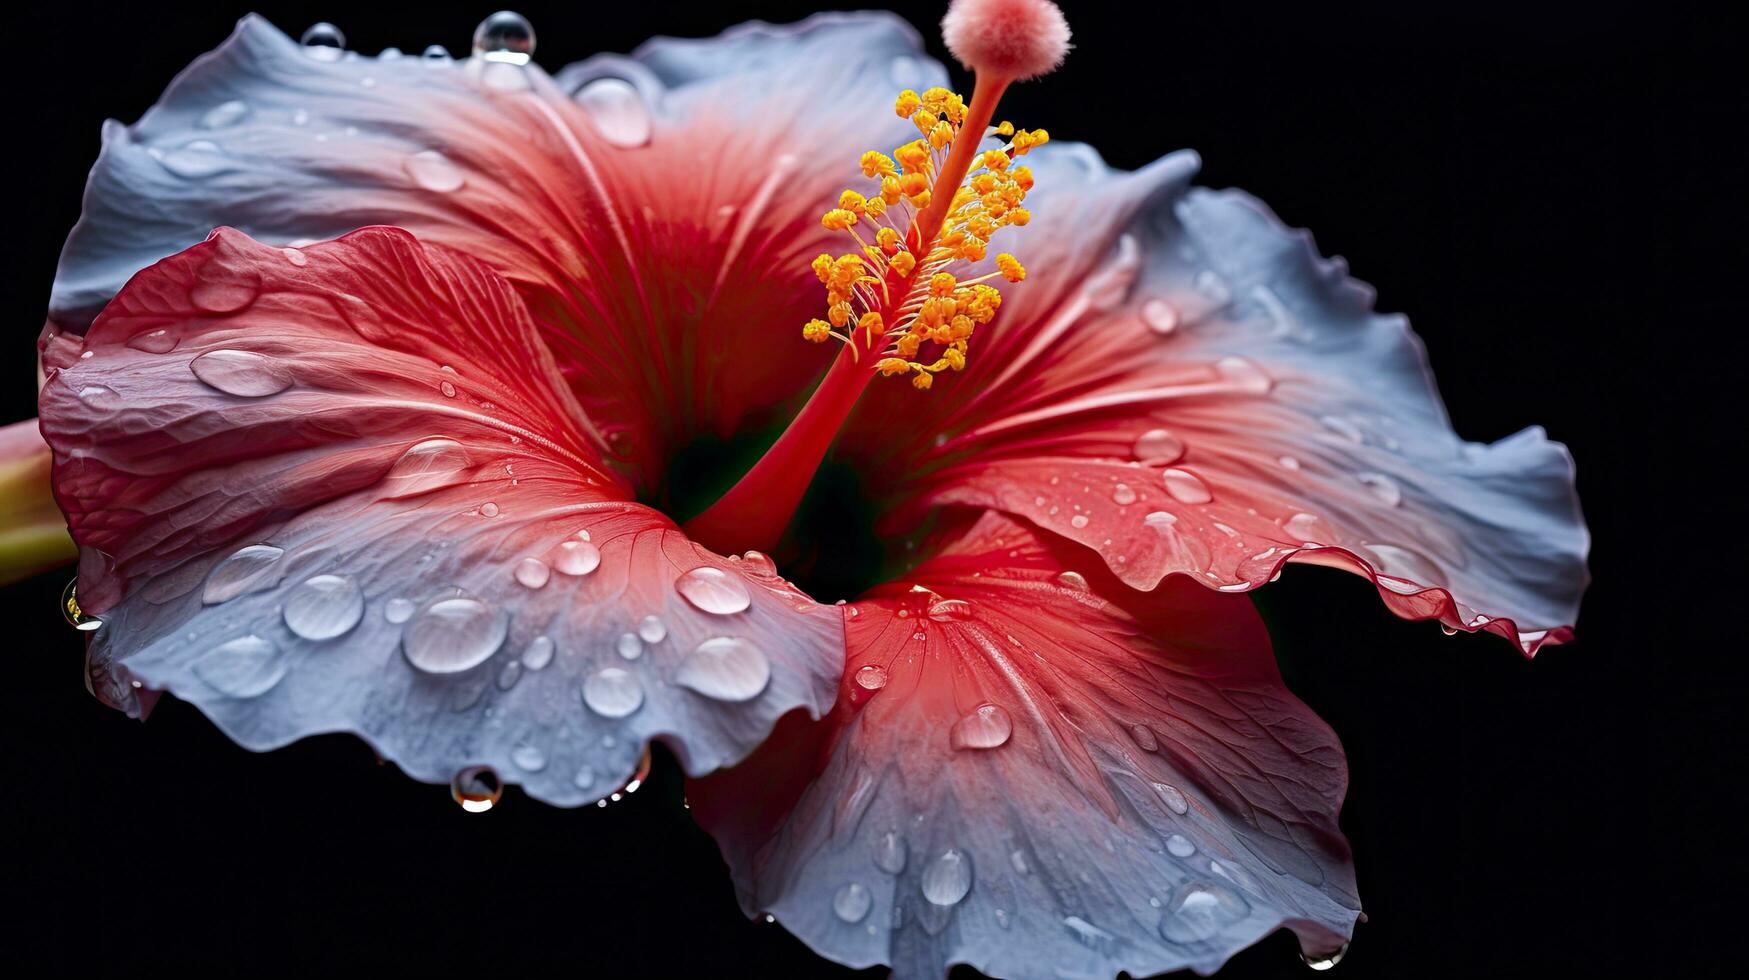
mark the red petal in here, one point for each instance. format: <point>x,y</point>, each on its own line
<point>344,488</point>
<point>1055,769</point>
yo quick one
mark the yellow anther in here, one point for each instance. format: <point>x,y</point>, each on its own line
<point>903,263</point>
<point>875,206</point>
<point>823,266</point>
<point>984,183</point>
<point>1024,141</point>
<point>924,120</point>
<point>942,284</point>
<point>889,366</point>
<point>940,135</point>
<point>1005,128</point>
<point>920,201</point>
<point>908,344</point>
<point>872,323</point>
<point>877,164</point>
<point>838,219</point>
<point>1010,267</point>
<point>922,380</point>
<point>913,157</point>
<point>1022,177</point>
<point>1019,216</point>
<point>891,190</point>
<point>972,250</point>
<point>853,202</point>
<point>839,314</point>
<point>816,331</point>
<point>995,159</point>
<point>907,103</point>
<point>888,240</point>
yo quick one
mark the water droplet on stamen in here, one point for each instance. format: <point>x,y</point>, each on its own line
<point>712,590</point>
<point>324,607</point>
<point>612,692</point>
<point>948,878</point>
<point>617,108</point>
<point>323,42</point>
<point>245,374</point>
<point>725,668</point>
<point>987,727</point>
<point>455,634</point>
<point>476,788</point>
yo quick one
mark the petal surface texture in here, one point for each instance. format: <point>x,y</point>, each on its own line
<point>657,212</point>
<point>1027,777</point>
<point>343,488</point>
<point>1186,386</point>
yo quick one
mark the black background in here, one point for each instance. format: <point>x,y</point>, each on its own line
<point>1542,191</point>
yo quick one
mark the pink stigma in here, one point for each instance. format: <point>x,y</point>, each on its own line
<point>1016,39</point>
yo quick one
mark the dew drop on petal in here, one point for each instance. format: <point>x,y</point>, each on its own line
<point>224,115</point>
<point>987,727</point>
<point>725,668</point>
<point>890,852</point>
<point>1158,446</point>
<point>532,573</point>
<point>1186,487</point>
<point>295,257</point>
<point>245,374</point>
<point>1324,961</point>
<point>323,41</point>
<point>434,172</point>
<point>948,878</point>
<point>1173,799</point>
<point>455,634</point>
<point>159,341</point>
<point>509,674</point>
<point>629,646</point>
<point>324,607</point>
<point>1304,528</point>
<point>618,111</point>
<point>1178,845</point>
<point>851,902</point>
<point>1160,316</point>
<point>1244,375</point>
<point>1160,519</point>
<point>576,557</point>
<point>538,653</point>
<point>505,36</point>
<point>426,466</point>
<point>651,629</point>
<point>476,788</point>
<point>1289,463</point>
<point>246,667</point>
<point>528,758</point>
<point>436,56</point>
<point>871,677</point>
<point>1200,911</point>
<point>1123,495</point>
<point>1383,488</point>
<point>1072,580</point>
<point>1144,737</point>
<point>248,569</point>
<point>950,611</point>
<point>612,692</point>
<point>712,590</point>
<point>399,610</point>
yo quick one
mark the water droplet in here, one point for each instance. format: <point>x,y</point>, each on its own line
<point>398,611</point>
<point>324,607</point>
<point>1405,563</point>
<point>617,109</point>
<point>246,667</point>
<point>1144,737</point>
<point>193,160</point>
<point>154,342</point>
<point>1289,463</point>
<point>1186,487</point>
<point>890,852</point>
<point>851,902</point>
<point>1122,495</point>
<point>948,878</point>
<point>629,646</point>
<point>584,779</point>
<point>70,610</point>
<point>1173,799</point>
<point>1003,919</point>
<point>652,630</point>
<point>476,788</point>
<point>245,374</point>
<point>295,257</point>
<point>509,674</point>
<point>986,727</point>
<point>1078,521</point>
<point>324,42</point>
<point>248,569</point>
<point>1072,580</point>
<point>532,573</point>
<point>447,389</point>
<point>101,396</point>
<point>538,653</point>
<point>575,558</point>
<point>725,668</point>
<point>1343,427</point>
<point>950,611</point>
<point>1160,519</point>
<point>1160,316</point>
<point>1158,446</point>
<point>528,758</point>
<point>1382,487</point>
<point>434,172</point>
<point>871,677</point>
<point>1324,961</point>
<point>1305,529</point>
<point>455,634</point>
<point>712,590</point>
<point>506,36</point>
<point>427,466</point>
<point>1244,375</point>
<point>1178,845</point>
<point>389,54</point>
<point>225,114</point>
<point>1200,911</point>
<point>613,693</point>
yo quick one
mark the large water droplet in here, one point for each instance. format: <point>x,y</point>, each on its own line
<point>225,114</point>
<point>77,617</point>
<point>1200,911</point>
<point>1305,529</point>
<point>434,172</point>
<point>1324,961</point>
<point>871,677</point>
<point>1186,487</point>
<point>245,374</point>
<point>1158,446</point>
<point>613,693</point>
<point>455,634</point>
<point>427,466</point>
<point>532,573</point>
<point>1178,845</point>
<point>950,611</point>
<point>476,788</point>
<point>652,630</point>
<point>712,590</point>
<point>246,667</point>
<point>1072,580</point>
<point>574,557</point>
<point>1078,521</point>
<point>159,341</point>
<point>948,878</point>
<point>538,653</point>
<point>324,42</point>
<point>986,727</point>
<point>1173,799</point>
<point>851,902</point>
<point>725,668</point>
<point>890,852</point>
<point>506,36</point>
<point>324,607</point>
<point>1160,316</point>
<point>617,109</point>
<point>249,569</point>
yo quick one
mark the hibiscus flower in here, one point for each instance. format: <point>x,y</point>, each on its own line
<point>404,448</point>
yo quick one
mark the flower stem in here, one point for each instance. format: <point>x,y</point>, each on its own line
<point>757,509</point>
<point>33,534</point>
